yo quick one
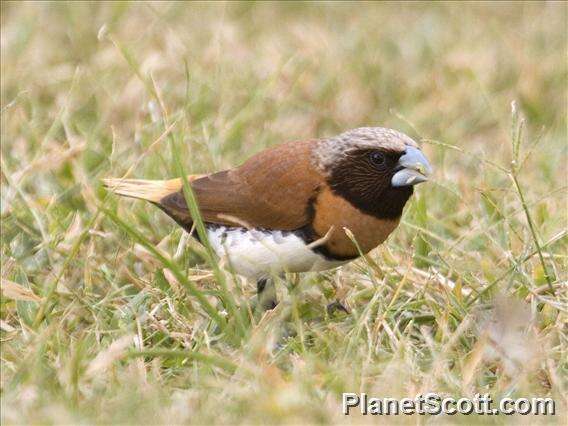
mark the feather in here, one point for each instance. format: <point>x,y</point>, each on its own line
<point>150,190</point>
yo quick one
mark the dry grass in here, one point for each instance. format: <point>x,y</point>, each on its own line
<point>105,312</point>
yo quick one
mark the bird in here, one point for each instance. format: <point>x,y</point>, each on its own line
<point>300,206</point>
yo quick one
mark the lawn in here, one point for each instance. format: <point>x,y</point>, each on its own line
<point>110,314</point>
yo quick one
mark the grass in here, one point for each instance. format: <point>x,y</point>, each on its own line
<point>109,314</point>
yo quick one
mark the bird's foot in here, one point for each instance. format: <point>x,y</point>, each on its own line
<point>337,306</point>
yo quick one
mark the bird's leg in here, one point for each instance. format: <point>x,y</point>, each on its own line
<point>266,293</point>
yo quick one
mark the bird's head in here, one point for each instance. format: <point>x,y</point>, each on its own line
<point>373,168</point>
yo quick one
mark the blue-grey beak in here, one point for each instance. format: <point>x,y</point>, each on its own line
<point>412,168</point>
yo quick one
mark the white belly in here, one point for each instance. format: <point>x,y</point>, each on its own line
<point>258,254</point>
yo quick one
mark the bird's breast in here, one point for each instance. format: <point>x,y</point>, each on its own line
<point>333,212</point>
<point>258,253</point>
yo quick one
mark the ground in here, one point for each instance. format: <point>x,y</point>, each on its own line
<point>109,314</point>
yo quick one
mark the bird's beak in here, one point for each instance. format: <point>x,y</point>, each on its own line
<point>412,168</point>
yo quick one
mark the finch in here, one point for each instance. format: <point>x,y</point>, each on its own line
<point>287,208</point>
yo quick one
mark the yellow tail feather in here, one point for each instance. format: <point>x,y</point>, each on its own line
<point>150,190</point>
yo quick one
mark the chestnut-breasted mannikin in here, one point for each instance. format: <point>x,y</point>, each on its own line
<point>287,208</point>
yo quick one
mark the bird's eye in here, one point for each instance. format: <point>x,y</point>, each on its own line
<point>378,158</point>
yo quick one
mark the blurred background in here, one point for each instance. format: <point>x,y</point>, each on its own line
<point>92,90</point>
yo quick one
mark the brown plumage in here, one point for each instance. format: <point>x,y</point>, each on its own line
<point>332,210</point>
<point>260,192</point>
<point>293,195</point>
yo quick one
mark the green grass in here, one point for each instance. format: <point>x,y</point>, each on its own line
<point>109,314</point>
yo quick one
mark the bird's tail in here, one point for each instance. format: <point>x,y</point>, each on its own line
<point>150,190</point>
<point>163,193</point>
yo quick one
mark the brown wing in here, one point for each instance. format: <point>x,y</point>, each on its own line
<point>272,190</point>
